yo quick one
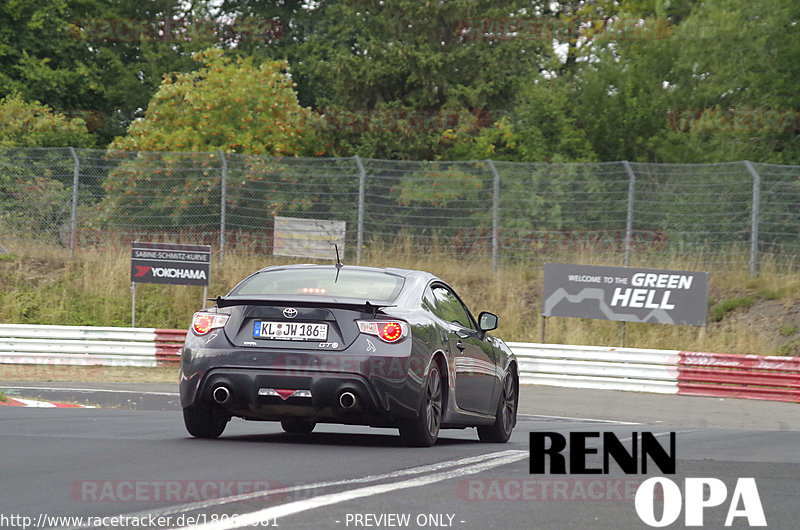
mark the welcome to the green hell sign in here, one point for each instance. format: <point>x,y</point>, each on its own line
<point>625,294</point>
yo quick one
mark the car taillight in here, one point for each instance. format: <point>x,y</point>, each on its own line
<point>202,323</point>
<point>391,331</point>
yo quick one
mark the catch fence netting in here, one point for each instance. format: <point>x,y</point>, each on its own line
<point>732,215</point>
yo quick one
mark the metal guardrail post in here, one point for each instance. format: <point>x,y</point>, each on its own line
<point>629,220</point>
<point>223,204</point>
<point>73,225</point>
<point>362,188</point>
<point>495,213</point>
<point>754,218</point>
<point>628,233</point>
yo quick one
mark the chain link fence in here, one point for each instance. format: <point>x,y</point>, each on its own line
<point>732,215</point>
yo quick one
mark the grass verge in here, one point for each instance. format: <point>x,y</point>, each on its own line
<point>88,374</point>
<point>93,288</point>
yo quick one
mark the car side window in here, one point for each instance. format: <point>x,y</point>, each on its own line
<point>443,303</point>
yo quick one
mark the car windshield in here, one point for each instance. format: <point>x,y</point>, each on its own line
<point>351,283</point>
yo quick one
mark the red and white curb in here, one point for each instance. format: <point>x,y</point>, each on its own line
<point>19,402</point>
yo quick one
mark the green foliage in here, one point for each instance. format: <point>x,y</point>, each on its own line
<point>516,80</point>
<point>719,311</point>
<point>540,128</point>
<point>83,58</point>
<point>31,124</point>
<point>420,58</point>
<point>735,82</point>
<point>787,330</point>
<point>437,187</point>
<point>36,188</point>
<point>769,295</point>
<point>227,104</point>
<point>439,199</point>
<point>38,205</point>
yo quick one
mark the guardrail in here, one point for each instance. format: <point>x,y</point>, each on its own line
<point>89,345</point>
<point>640,370</point>
<point>663,371</point>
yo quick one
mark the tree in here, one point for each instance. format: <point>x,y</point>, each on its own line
<point>232,105</point>
<point>36,186</point>
<point>539,128</point>
<point>401,69</point>
<point>620,85</point>
<point>735,84</point>
<point>31,124</point>
<point>94,59</point>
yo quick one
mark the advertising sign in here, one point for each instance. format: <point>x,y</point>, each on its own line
<point>625,294</point>
<point>308,238</point>
<point>170,263</point>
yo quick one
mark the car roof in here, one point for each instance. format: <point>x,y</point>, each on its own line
<point>415,280</point>
<point>405,273</point>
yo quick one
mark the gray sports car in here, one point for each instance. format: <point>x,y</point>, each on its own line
<point>304,344</point>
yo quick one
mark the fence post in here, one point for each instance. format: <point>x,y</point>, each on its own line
<point>629,219</point>
<point>495,212</point>
<point>73,226</point>
<point>754,219</point>
<point>362,188</point>
<point>223,204</point>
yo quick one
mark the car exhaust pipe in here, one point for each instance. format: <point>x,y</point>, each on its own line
<point>221,394</point>
<point>347,400</point>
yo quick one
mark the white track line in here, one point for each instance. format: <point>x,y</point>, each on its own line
<point>291,508</point>
<point>593,420</point>
<point>428,468</point>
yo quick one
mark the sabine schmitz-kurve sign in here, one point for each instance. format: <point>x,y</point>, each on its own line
<point>170,263</point>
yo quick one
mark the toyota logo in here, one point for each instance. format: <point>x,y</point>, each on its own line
<point>290,312</point>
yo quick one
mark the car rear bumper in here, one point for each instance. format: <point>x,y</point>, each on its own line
<point>352,389</point>
<point>251,394</point>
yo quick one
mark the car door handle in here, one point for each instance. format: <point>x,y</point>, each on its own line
<point>460,345</point>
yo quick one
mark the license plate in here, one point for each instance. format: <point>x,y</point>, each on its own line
<point>289,331</point>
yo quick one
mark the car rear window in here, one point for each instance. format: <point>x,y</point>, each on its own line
<point>350,283</point>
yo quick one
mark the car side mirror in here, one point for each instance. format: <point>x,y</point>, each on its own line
<point>487,321</point>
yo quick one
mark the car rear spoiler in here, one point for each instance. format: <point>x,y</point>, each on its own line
<point>369,306</point>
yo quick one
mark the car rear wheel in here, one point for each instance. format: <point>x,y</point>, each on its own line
<point>204,422</point>
<point>500,430</point>
<point>298,426</point>
<point>424,430</point>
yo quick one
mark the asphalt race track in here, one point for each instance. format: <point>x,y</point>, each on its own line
<point>130,463</point>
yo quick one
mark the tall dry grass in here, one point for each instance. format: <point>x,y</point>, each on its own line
<point>42,285</point>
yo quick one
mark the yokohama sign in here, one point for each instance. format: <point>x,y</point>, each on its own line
<point>168,263</point>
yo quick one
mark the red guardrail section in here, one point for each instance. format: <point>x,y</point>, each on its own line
<point>169,343</point>
<point>739,376</point>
